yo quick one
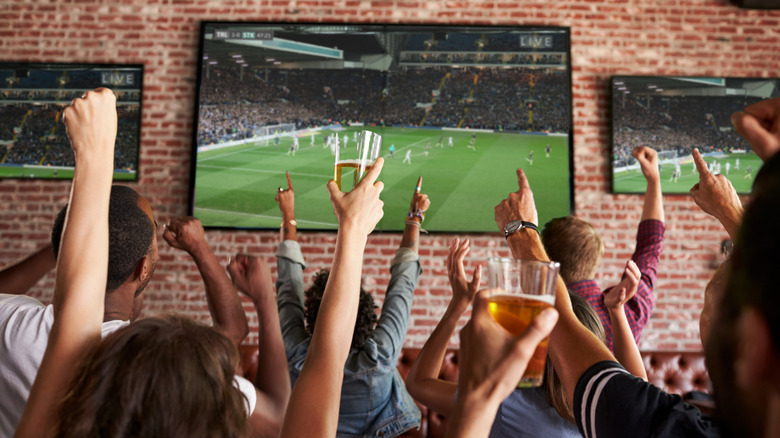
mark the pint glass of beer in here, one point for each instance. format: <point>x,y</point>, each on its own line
<point>352,162</point>
<point>520,290</point>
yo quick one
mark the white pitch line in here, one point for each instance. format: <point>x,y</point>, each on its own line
<point>262,216</point>
<point>264,171</point>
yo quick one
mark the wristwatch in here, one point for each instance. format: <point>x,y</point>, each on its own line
<point>291,222</point>
<point>513,226</point>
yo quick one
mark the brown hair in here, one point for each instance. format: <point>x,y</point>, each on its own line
<point>556,396</point>
<point>574,244</point>
<point>158,377</point>
<point>366,317</point>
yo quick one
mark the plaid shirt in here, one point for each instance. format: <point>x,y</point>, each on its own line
<point>649,242</point>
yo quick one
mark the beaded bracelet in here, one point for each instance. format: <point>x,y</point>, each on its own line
<point>416,213</point>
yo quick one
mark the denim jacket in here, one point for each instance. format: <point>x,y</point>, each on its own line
<point>374,400</point>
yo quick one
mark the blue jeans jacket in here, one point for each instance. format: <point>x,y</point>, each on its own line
<point>374,400</point>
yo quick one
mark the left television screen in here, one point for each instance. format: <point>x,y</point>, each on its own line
<point>33,141</point>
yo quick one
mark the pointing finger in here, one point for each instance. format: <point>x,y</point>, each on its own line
<point>701,165</point>
<point>289,181</point>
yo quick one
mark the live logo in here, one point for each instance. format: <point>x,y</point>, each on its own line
<point>116,78</point>
<point>536,41</point>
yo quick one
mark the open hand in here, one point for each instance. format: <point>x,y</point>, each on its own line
<point>617,296</point>
<point>462,289</point>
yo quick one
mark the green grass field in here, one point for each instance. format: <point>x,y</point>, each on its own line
<point>235,186</point>
<point>43,172</point>
<point>632,181</point>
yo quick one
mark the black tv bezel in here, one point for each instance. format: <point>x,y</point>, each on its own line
<point>432,27</point>
<point>89,65</point>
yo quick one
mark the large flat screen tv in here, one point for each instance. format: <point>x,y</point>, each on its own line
<point>33,141</point>
<point>468,104</point>
<point>673,115</point>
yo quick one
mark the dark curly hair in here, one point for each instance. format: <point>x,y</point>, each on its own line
<point>366,316</point>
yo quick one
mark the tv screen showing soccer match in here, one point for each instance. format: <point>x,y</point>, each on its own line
<point>674,115</point>
<point>461,106</point>
<point>33,141</point>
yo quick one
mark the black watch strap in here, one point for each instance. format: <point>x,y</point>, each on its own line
<point>513,226</point>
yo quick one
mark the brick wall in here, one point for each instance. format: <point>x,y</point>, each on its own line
<point>652,37</point>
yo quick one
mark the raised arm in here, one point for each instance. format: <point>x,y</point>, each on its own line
<point>186,233</point>
<point>252,276</point>
<point>404,272</point>
<point>715,195</point>
<point>82,265</point>
<point>314,403</point>
<point>760,125</point>
<point>623,343</point>
<point>648,161</point>
<point>286,200</point>
<point>572,347</point>
<point>289,268</point>
<point>20,275</point>
<point>423,381</point>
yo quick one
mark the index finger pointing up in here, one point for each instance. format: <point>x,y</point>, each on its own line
<point>701,165</point>
<point>289,181</point>
<point>522,181</point>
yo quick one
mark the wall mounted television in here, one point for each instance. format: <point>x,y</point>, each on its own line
<point>673,115</point>
<point>33,141</point>
<point>428,90</point>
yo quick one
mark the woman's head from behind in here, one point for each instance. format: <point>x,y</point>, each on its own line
<point>158,377</point>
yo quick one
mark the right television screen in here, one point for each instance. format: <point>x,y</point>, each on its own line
<point>674,115</point>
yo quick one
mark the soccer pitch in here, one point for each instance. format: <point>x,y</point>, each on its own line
<point>235,186</point>
<point>632,181</point>
<point>46,172</point>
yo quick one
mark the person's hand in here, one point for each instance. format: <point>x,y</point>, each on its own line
<point>91,123</point>
<point>463,290</point>
<point>617,296</point>
<point>648,162</point>
<point>252,276</point>
<point>759,124</point>
<point>286,200</point>
<point>361,208</point>
<point>715,195</point>
<point>518,205</point>
<point>420,201</point>
<point>185,233</point>
<point>492,359</point>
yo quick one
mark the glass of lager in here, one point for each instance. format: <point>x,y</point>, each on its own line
<point>520,290</point>
<point>352,162</point>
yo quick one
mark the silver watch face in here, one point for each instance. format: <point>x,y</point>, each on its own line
<point>513,226</point>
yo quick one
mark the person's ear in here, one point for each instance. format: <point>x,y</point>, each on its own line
<point>754,366</point>
<point>143,269</point>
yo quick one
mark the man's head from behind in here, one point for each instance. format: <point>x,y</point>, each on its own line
<point>743,349</point>
<point>574,244</point>
<point>366,317</point>
<point>131,232</point>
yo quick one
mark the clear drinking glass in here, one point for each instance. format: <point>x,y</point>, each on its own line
<point>520,290</point>
<point>357,160</point>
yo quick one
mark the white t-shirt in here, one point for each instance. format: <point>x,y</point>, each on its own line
<point>25,324</point>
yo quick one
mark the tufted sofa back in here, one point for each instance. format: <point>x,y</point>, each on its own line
<point>674,372</point>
